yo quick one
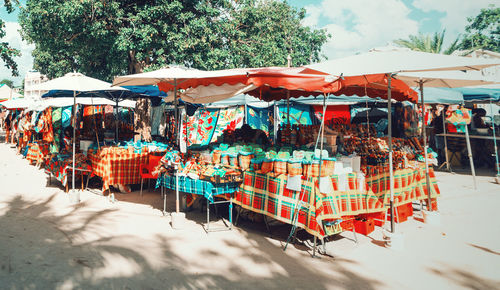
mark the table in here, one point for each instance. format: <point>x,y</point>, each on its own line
<point>117,168</point>
<point>59,166</point>
<point>203,188</point>
<point>486,137</point>
<point>268,195</point>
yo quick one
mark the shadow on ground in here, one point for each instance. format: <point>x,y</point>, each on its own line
<point>52,251</point>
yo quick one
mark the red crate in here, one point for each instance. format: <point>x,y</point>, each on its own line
<point>364,226</point>
<point>377,217</point>
<point>347,224</point>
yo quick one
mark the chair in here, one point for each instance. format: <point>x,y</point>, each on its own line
<point>147,169</point>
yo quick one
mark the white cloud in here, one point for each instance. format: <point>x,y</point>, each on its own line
<point>457,12</point>
<point>25,62</point>
<point>358,25</point>
<point>312,17</point>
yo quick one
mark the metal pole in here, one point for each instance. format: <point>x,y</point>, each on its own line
<point>389,133</point>
<point>74,139</point>
<point>276,122</point>
<point>177,207</point>
<point>320,155</point>
<point>424,134</point>
<point>289,64</point>
<point>495,141</point>
<point>116,121</point>
<point>469,151</point>
<point>445,143</point>
<point>176,114</point>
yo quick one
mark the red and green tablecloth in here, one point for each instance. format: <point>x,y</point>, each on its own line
<point>118,168</point>
<point>37,152</point>
<point>265,194</point>
<point>60,165</point>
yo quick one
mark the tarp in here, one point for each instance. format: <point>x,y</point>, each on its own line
<point>480,94</point>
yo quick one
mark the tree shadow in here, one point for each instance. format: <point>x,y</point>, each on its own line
<point>466,279</point>
<point>42,248</point>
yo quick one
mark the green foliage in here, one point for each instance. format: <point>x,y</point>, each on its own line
<point>7,82</point>
<point>483,31</point>
<point>432,43</point>
<point>8,53</point>
<point>103,39</point>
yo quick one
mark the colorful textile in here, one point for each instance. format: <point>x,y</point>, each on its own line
<point>37,152</point>
<point>457,120</point>
<point>299,114</point>
<point>117,168</point>
<point>340,114</point>
<point>66,116</point>
<point>230,118</point>
<point>201,126</point>
<point>258,118</point>
<point>57,128</point>
<point>268,195</point>
<point>60,166</point>
<point>196,186</point>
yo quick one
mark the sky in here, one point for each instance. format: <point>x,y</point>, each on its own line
<point>355,25</point>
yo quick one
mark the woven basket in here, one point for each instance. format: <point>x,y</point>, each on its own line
<point>294,168</point>
<point>233,160</point>
<point>244,161</point>
<point>280,166</point>
<point>267,166</point>
<point>225,159</point>
<point>216,156</point>
<point>256,164</point>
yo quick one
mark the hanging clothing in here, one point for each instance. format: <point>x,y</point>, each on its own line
<point>142,119</point>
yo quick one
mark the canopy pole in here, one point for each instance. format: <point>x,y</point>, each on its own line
<point>116,122</point>
<point>445,143</point>
<point>177,137</point>
<point>289,64</point>
<point>74,141</point>
<point>389,133</point>
<point>469,151</point>
<point>424,134</point>
<point>495,141</point>
<point>276,122</point>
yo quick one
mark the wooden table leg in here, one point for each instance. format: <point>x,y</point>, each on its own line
<point>81,176</point>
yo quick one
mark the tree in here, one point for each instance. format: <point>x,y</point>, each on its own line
<point>7,82</point>
<point>428,43</point>
<point>8,53</point>
<point>103,39</point>
<point>483,31</point>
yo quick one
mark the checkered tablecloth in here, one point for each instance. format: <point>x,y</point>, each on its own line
<point>122,168</point>
<point>37,152</point>
<point>196,186</point>
<point>268,195</point>
<point>60,167</point>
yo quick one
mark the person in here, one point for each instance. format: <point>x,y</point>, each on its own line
<point>7,125</point>
<point>438,125</point>
<point>478,121</point>
<point>250,135</point>
<point>68,133</point>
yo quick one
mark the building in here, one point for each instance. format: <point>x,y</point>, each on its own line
<point>32,79</point>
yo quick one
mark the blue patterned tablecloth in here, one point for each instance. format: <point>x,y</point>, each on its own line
<point>196,186</point>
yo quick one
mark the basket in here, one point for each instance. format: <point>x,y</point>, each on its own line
<point>245,160</point>
<point>216,156</point>
<point>225,158</point>
<point>280,166</point>
<point>329,165</point>
<point>267,165</point>
<point>294,167</point>
<point>233,160</point>
<point>256,164</point>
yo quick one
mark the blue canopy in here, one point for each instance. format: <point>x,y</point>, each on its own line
<point>480,94</point>
<point>443,96</point>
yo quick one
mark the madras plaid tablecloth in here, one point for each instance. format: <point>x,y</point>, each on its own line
<point>409,185</point>
<point>59,166</point>
<point>37,151</point>
<point>118,168</point>
<point>196,186</point>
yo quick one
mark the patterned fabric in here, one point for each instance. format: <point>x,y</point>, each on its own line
<point>258,118</point>
<point>66,116</point>
<point>196,186</point>
<point>37,152</point>
<point>57,128</point>
<point>340,114</point>
<point>230,118</point>
<point>268,195</point>
<point>60,166</point>
<point>457,120</point>
<point>117,168</point>
<point>299,114</point>
<point>201,126</point>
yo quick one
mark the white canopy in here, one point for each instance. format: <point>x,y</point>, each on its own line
<point>75,82</point>
<point>21,103</point>
<point>162,75</point>
<point>445,79</point>
<point>396,61</point>
<point>42,104</point>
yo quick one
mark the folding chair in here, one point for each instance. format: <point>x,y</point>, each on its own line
<point>147,169</point>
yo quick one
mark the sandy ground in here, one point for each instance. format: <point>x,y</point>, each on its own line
<point>47,243</point>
